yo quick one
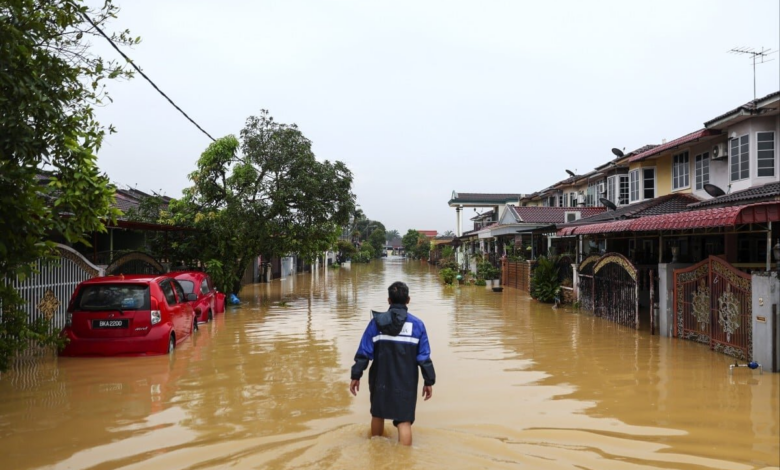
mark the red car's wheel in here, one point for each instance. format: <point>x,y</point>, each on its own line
<point>171,343</point>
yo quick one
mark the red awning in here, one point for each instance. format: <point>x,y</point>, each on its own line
<point>702,218</point>
<point>674,143</point>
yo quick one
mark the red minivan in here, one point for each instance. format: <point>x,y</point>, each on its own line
<point>128,315</point>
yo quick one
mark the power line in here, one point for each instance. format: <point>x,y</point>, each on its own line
<point>144,75</point>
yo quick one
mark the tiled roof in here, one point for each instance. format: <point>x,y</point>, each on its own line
<point>428,233</point>
<point>668,204</point>
<point>768,191</point>
<point>550,215</point>
<point>695,219</point>
<point>747,107</point>
<point>641,149</point>
<point>693,136</point>
<point>484,215</point>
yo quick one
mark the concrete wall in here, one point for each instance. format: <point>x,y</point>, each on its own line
<point>766,328</point>
<point>666,296</point>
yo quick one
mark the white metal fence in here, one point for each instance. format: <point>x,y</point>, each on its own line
<point>48,289</point>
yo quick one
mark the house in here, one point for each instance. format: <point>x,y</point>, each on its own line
<point>689,220</point>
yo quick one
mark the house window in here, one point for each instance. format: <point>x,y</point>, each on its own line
<point>702,170</point>
<point>611,188</point>
<point>572,199</point>
<point>766,153</point>
<point>623,194</point>
<point>593,194</point>
<point>561,197</point>
<point>680,171</point>
<point>648,183</point>
<point>633,185</point>
<point>739,158</point>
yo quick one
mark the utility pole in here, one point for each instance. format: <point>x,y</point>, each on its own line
<point>763,53</point>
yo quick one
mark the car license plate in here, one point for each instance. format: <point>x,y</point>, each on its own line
<point>110,323</point>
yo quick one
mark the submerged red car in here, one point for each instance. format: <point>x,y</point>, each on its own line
<point>199,283</point>
<point>128,315</point>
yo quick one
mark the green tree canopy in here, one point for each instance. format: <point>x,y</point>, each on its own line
<point>272,198</point>
<point>409,241</point>
<point>377,241</point>
<point>50,185</point>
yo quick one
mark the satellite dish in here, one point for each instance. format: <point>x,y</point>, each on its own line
<point>571,173</point>
<point>713,190</point>
<point>618,153</point>
<point>607,203</point>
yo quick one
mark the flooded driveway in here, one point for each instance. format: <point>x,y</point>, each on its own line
<point>519,385</point>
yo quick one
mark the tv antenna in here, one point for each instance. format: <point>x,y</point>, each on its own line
<point>762,54</point>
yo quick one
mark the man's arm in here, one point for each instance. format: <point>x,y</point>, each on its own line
<point>364,354</point>
<point>424,361</point>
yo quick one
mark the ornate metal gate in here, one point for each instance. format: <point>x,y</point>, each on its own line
<point>585,284</point>
<point>713,305</point>
<point>47,291</point>
<point>615,290</point>
<point>135,262</point>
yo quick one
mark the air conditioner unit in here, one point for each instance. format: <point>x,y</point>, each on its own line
<point>571,217</point>
<point>718,151</point>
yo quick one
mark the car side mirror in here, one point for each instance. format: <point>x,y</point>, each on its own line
<point>191,297</point>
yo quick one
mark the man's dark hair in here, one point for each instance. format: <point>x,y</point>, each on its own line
<point>398,293</point>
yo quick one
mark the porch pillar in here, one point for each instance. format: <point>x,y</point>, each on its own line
<point>458,218</point>
<point>769,248</point>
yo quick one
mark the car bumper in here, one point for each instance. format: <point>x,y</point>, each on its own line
<point>153,343</point>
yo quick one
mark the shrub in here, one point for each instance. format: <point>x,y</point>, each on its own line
<point>480,282</point>
<point>448,275</point>
<point>544,281</point>
<point>485,270</point>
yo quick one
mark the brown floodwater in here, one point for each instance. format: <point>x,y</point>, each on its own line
<point>520,385</point>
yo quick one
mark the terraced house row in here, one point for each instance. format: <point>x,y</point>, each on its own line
<point>680,237</point>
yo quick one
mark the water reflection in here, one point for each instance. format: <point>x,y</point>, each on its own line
<point>520,384</point>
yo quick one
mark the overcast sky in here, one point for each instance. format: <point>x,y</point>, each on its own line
<point>420,98</point>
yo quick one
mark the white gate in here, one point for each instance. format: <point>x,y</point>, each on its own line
<point>47,290</point>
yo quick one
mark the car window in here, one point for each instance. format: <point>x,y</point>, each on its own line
<point>179,291</point>
<point>204,287</point>
<point>188,286</point>
<point>113,297</point>
<point>170,297</point>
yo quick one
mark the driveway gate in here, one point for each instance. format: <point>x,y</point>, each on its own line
<point>713,305</point>
<point>615,290</point>
<point>48,289</point>
<point>585,282</point>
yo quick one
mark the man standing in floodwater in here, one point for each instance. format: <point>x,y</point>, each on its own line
<point>397,343</point>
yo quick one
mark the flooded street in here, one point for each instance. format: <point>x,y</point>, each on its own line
<point>519,385</point>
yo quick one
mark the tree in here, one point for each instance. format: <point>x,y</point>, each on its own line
<point>272,198</point>
<point>391,235</point>
<point>50,83</point>
<point>423,248</point>
<point>448,233</point>
<point>377,241</point>
<point>409,241</point>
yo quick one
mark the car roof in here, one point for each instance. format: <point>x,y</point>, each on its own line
<point>188,275</point>
<point>126,279</point>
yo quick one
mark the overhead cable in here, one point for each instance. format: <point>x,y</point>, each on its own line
<point>130,61</point>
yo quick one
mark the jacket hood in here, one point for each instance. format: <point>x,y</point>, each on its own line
<point>392,321</point>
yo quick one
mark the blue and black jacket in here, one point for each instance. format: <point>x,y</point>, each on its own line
<point>397,343</point>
